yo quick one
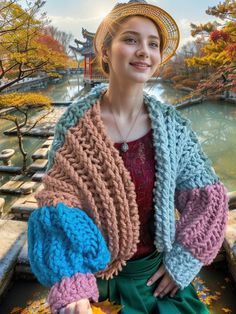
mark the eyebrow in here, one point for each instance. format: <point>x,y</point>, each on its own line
<point>136,33</point>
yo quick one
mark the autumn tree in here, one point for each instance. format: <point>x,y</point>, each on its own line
<point>24,50</point>
<point>62,37</point>
<point>22,104</point>
<point>218,59</point>
<point>218,49</point>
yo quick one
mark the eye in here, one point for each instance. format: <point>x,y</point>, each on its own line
<point>154,45</point>
<point>130,40</point>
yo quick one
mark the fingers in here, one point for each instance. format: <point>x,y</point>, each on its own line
<point>70,308</point>
<point>80,307</point>
<point>173,292</point>
<point>83,307</point>
<point>167,284</point>
<point>161,271</point>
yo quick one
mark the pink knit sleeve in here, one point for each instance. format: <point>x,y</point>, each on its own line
<point>71,289</point>
<point>203,216</point>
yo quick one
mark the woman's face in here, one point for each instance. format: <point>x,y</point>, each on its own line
<point>134,54</point>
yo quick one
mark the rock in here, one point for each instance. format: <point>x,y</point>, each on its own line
<point>12,239</point>
<point>5,156</point>
<point>230,243</point>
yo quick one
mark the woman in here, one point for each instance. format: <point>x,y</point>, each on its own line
<point>120,163</point>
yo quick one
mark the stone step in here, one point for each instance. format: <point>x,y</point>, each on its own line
<point>37,177</point>
<point>48,143</point>
<point>230,243</point>
<point>25,205</point>
<point>12,239</point>
<point>22,269</point>
<point>10,169</point>
<point>38,165</point>
<point>18,187</point>
<point>41,153</point>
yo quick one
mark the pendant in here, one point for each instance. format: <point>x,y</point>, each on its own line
<point>124,147</point>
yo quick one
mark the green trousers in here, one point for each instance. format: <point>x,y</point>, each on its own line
<point>130,290</point>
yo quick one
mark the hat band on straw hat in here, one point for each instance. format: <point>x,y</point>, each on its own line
<point>165,23</point>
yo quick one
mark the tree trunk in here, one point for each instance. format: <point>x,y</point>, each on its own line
<point>21,146</point>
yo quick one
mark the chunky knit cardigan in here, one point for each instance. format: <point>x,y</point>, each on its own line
<point>87,223</point>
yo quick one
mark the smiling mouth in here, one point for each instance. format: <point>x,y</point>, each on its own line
<point>140,65</point>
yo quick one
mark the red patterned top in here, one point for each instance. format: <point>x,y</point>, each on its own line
<point>140,162</point>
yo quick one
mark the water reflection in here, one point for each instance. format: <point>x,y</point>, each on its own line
<point>215,124</point>
<point>163,92</point>
<point>65,90</point>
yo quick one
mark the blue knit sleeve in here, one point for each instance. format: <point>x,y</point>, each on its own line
<point>63,241</point>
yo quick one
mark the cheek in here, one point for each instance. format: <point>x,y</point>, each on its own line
<point>120,52</point>
<point>157,58</point>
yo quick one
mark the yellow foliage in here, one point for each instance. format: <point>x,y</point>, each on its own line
<point>105,307</point>
<point>73,64</point>
<point>226,310</point>
<point>24,99</point>
<point>21,47</point>
<point>41,307</point>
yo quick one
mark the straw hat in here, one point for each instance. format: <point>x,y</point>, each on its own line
<point>167,25</point>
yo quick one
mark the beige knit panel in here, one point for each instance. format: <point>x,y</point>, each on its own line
<point>89,173</point>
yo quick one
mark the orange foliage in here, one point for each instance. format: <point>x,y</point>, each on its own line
<point>51,43</point>
<point>219,34</point>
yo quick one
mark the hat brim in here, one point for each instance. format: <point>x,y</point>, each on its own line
<point>167,25</point>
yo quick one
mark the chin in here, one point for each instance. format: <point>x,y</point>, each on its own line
<point>141,79</point>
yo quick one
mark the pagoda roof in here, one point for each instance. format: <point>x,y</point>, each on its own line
<point>87,34</point>
<point>83,50</point>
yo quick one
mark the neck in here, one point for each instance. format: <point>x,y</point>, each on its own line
<point>124,101</point>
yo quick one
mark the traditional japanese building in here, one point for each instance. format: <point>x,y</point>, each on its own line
<point>85,49</point>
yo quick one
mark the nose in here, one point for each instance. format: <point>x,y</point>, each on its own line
<point>142,50</point>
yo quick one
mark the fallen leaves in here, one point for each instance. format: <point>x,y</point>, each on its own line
<point>226,310</point>
<point>41,307</point>
<point>207,296</point>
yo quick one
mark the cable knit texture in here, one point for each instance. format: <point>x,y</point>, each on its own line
<point>202,219</point>
<point>62,242</point>
<point>101,185</point>
<point>86,171</point>
<point>79,286</point>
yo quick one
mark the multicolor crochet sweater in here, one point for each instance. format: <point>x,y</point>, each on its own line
<point>87,223</point>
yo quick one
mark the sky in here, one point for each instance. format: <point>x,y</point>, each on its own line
<point>71,15</point>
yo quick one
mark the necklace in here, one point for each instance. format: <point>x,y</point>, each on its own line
<point>124,146</point>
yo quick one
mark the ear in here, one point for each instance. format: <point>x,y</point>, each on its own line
<point>105,57</point>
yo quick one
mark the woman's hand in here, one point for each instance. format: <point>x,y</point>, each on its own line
<point>166,285</point>
<point>79,307</point>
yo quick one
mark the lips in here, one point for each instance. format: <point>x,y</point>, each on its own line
<point>140,64</point>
